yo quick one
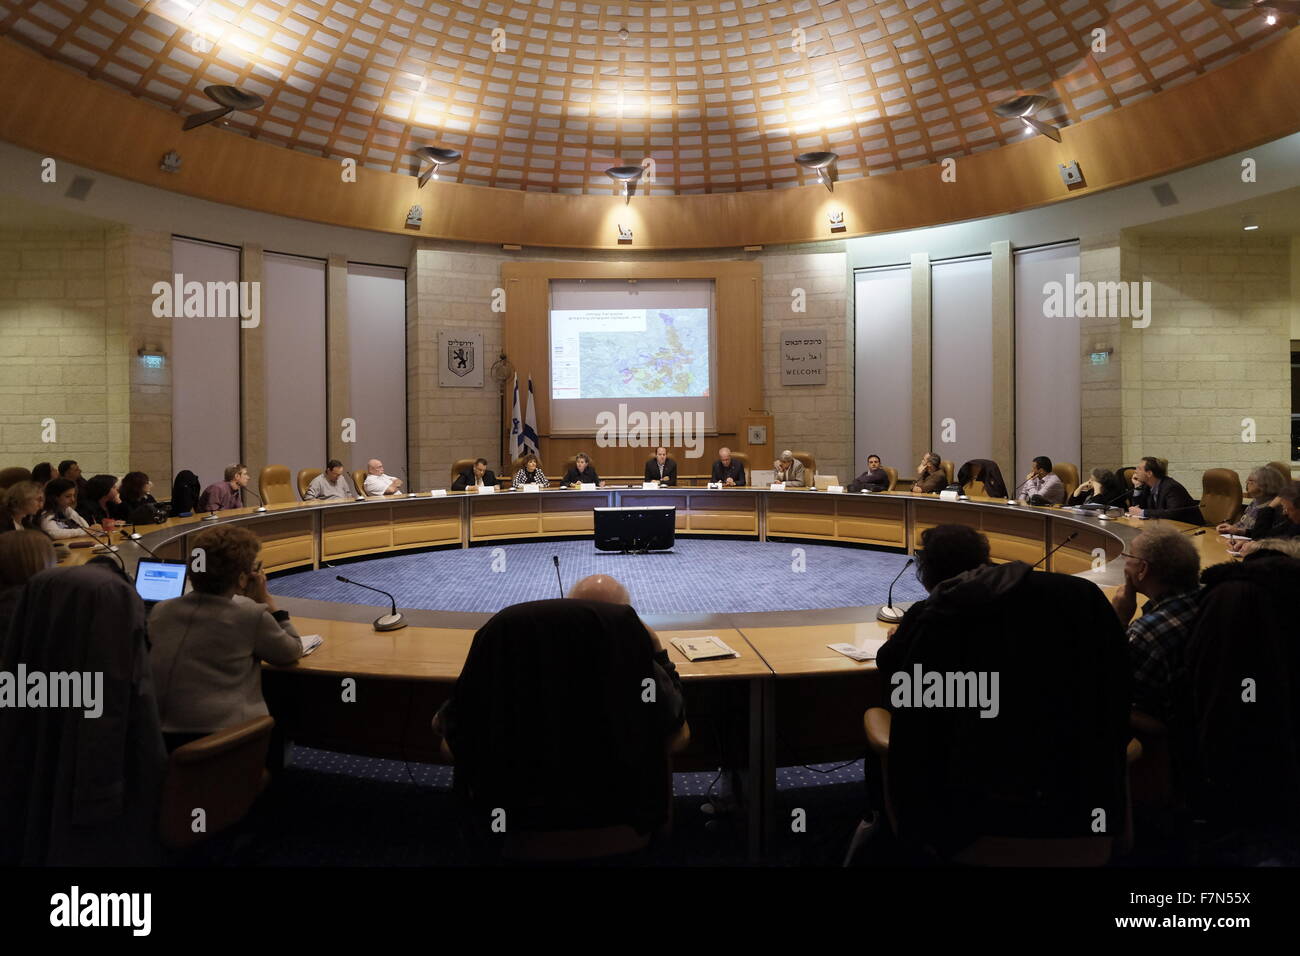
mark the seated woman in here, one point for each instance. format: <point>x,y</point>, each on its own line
<point>133,492</point>
<point>100,500</point>
<point>59,518</point>
<point>581,472</point>
<point>1262,487</point>
<point>981,478</point>
<point>20,506</point>
<point>208,645</point>
<point>530,474</point>
<point>1102,488</point>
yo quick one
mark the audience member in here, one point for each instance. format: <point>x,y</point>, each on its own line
<point>227,493</point>
<point>21,506</point>
<point>875,478</point>
<point>477,475</point>
<point>930,476</point>
<point>1104,488</point>
<point>330,484</point>
<point>727,470</point>
<point>100,499</point>
<point>42,473</point>
<point>582,471</point>
<point>1165,498</point>
<point>378,483</point>
<point>661,468</point>
<point>135,493</point>
<point>70,470</point>
<point>208,645</point>
<point>59,517</point>
<point>1281,520</point>
<point>1042,482</point>
<point>789,470</point>
<point>22,555</point>
<point>82,782</point>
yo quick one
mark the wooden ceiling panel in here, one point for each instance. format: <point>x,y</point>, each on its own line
<point>543,95</point>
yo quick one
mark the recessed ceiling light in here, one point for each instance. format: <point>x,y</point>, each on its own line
<point>1249,223</point>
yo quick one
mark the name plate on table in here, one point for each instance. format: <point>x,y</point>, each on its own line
<point>835,489</point>
<point>529,488</point>
<point>485,489</point>
<point>438,493</point>
<point>949,496</point>
<point>587,486</point>
<point>649,485</point>
<point>776,486</point>
<point>714,485</point>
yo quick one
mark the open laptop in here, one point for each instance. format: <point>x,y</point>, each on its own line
<point>157,580</point>
<point>822,482</point>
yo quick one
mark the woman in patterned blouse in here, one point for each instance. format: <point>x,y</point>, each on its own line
<point>530,474</point>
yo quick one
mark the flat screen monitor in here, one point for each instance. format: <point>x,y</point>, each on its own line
<point>650,528</point>
<point>159,580</point>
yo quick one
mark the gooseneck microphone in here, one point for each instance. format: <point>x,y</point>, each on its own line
<point>1011,498</point>
<point>108,546</point>
<point>392,621</point>
<point>262,507</point>
<point>1068,538</point>
<point>558,579</point>
<point>890,614</point>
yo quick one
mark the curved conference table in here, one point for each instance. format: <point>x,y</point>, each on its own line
<point>786,700</point>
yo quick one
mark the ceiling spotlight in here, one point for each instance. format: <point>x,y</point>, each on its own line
<point>1282,6</point>
<point>439,157</point>
<point>622,33</point>
<point>1023,108</point>
<point>628,176</point>
<point>1249,223</point>
<point>231,98</point>
<point>821,163</point>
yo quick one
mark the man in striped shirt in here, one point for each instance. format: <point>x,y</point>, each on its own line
<point>1163,565</point>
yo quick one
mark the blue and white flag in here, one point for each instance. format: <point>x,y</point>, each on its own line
<point>528,437</point>
<point>516,424</point>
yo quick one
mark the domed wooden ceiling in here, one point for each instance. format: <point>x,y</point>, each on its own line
<point>722,94</point>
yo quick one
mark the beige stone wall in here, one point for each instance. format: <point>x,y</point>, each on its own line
<point>1216,353</point>
<point>450,290</point>
<point>813,418</point>
<point>74,309</point>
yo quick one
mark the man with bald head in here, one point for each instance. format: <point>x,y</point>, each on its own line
<point>378,483</point>
<point>727,470</point>
<point>609,590</point>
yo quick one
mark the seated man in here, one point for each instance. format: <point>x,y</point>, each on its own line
<point>378,483</point>
<point>330,484</point>
<point>582,473</point>
<point>930,476</point>
<point>1043,482</point>
<point>227,493</point>
<point>1165,497</point>
<point>789,470</point>
<point>661,468</point>
<point>730,473</point>
<point>1163,565</point>
<point>875,478</point>
<point>477,475</point>
<point>982,743</point>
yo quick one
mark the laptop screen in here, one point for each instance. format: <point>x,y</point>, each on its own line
<point>159,580</point>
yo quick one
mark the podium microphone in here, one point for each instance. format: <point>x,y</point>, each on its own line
<point>262,507</point>
<point>1068,538</point>
<point>558,580</point>
<point>890,614</point>
<point>392,621</point>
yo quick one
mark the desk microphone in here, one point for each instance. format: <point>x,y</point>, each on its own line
<point>558,580</point>
<point>262,507</point>
<point>1198,531</point>
<point>1068,538</point>
<point>108,546</point>
<point>391,621</point>
<point>210,517</point>
<point>1011,498</point>
<point>890,614</point>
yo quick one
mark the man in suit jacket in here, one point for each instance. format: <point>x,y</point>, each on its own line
<point>208,646</point>
<point>789,470</point>
<point>661,468</point>
<point>1165,497</point>
<point>727,470</point>
<point>477,475</point>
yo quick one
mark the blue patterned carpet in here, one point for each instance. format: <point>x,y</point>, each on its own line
<point>698,576</point>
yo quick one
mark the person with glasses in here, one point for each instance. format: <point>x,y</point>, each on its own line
<point>208,645</point>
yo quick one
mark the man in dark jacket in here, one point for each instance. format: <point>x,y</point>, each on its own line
<point>1165,497</point>
<point>875,478</point>
<point>477,475</point>
<point>1041,753</point>
<point>661,468</point>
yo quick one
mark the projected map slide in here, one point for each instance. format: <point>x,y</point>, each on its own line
<point>629,353</point>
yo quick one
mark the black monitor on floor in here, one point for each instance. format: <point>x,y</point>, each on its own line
<point>636,529</point>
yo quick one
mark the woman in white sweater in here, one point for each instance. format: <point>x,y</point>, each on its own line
<point>59,519</point>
